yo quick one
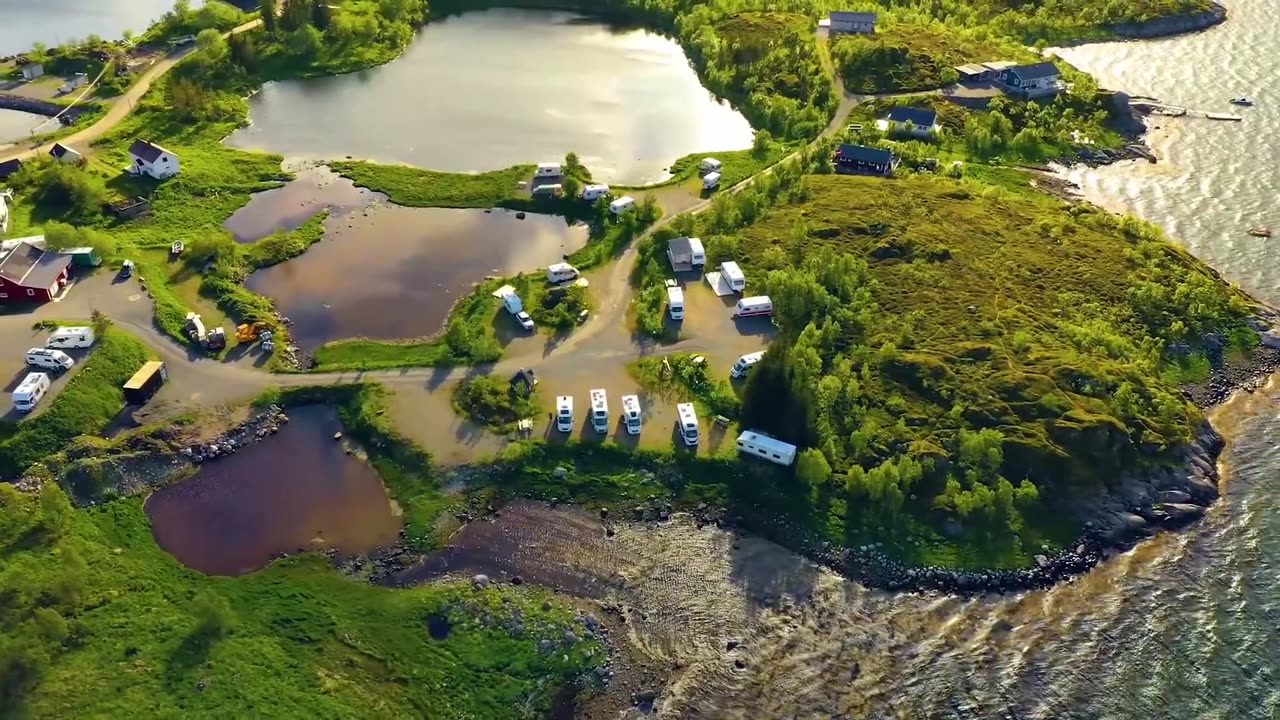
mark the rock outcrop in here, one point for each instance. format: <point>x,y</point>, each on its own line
<point>1172,25</point>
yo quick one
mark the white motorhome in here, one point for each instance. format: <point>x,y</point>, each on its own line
<point>548,190</point>
<point>687,423</point>
<point>753,306</point>
<point>744,364</point>
<point>733,276</point>
<point>29,391</point>
<point>631,413</point>
<point>675,302</point>
<point>591,193</point>
<point>564,413</point>
<point>600,410</point>
<point>71,337</point>
<point>622,204</point>
<point>561,272</point>
<point>511,301</point>
<point>697,252</point>
<point>710,165</point>
<point>548,170</point>
<point>49,359</point>
<point>711,181</point>
<point>772,449</point>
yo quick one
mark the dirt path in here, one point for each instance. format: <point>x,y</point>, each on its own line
<point>122,105</point>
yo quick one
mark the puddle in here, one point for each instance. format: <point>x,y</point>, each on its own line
<point>394,272</point>
<point>296,491</point>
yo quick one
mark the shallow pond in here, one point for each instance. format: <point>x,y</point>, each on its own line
<point>394,272</point>
<point>496,88</point>
<point>295,491</point>
<point>16,125</point>
<point>57,21</point>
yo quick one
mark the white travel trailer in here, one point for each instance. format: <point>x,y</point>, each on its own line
<point>71,337</point>
<point>711,181</point>
<point>631,413</point>
<point>733,276</point>
<point>710,165</point>
<point>772,449</point>
<point>561,272</point>
<point>591,193</point>
<point>600,410</point>
<point>744,364</point>
<point>622,204</point>
<point>546,170</point>
<point>29,391</point>
<point>753,306</point>
<point>49,359</point>
<point>564,413</point>
<point>687,423</point>
<point>675,302</point>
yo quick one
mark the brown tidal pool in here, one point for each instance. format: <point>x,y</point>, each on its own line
<point>394,272</point>
<point>295,491</point>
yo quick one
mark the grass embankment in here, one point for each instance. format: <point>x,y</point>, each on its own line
<point>100,621</point>
<point>405,185</point>
<point>493,403</point>
<point>86,405</point>
<point>971,352</point>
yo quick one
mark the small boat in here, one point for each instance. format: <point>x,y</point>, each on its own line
<point>1260,232</point>
<point>1241,101</point>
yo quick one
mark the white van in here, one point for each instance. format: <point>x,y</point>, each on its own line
<point>599,411</point>
<point>687,422</point>
<point>591,193</point>
<point>29,391</point>
<point>564,413</point>
<point>675,302</point>
<point>49,359</point>
<point>561,272</point>
<point>71,337</point>
<point>631,413</point>
<point>733,276</point>
<point>769,448</point>
<point>744,364</point>
<point>710,165</point>
<point>548,170</point>
<point>711,181</point>
<point>622,204</point>
<point>753,306</point>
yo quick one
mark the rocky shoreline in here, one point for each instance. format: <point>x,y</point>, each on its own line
<point>1173,24</point>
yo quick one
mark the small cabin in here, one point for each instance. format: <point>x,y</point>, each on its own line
<point>64,154</point>
<point>31,71</point>
<point>148,158</point>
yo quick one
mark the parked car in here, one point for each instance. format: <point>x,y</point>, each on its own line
<point>126,269</point>
<point>525,321</point>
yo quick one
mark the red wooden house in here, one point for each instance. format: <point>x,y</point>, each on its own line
<point>29,274</point>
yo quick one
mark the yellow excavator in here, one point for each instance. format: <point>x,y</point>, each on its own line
<point>250,331</point>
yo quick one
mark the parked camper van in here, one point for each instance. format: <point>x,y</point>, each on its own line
<point>753,306</point>
<point>774,450</point>
<point>675,302</point>
<point>144,383</point>
<point>622,204</point>
<point>591,193</point>
<point>697,253</point>
<point>711,181</point>
<point>744,364</point>
<point>561,272</point>
<point>554,190</point>
<point>631,413</point>
<point>564,413</point>
<point>55,360</point>
<point>599,411</point>
<point>546,170</point>
<point>710,165</point>
<point>29,391</point>
<point>733,276</point>
<point>71,337</point>
<point>687,423</point>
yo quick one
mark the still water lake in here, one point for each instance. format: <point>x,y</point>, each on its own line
<point>496,88</point>
<point>298,490</point>
<point>26,22</point>
<point>16,125</point>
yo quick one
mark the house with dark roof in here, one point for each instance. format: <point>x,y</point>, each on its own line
<point>64,154</point>
<point>1033,80</point>
<point>917,121</point>
<point>148,158</point>
<point>29,274</point>
<point>863,160</point>
<point>849,22</point>
<point>9,167</point>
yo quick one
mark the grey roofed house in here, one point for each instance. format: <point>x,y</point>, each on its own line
<point>146,150</point>
<point>60,151</point>
<point>30,266</point>
<point>680,249</point>
<point>853,16</point>
<point>862,159</point>
<point>922,118</point>
<point>1035,71</point>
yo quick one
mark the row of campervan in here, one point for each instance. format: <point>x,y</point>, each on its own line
<point>589,193</point>
<point>687,417</point>
<point>51,357</point>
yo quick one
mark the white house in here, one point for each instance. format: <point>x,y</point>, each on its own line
<point>920,122</point>
<point>64,154</point>
<point>148,158</point>
<point>31,71</point>
<point>845,21</point>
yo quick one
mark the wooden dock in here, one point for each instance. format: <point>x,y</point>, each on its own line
<point>1158,108</point>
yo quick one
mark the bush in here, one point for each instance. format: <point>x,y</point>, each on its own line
<point>492,403</point>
